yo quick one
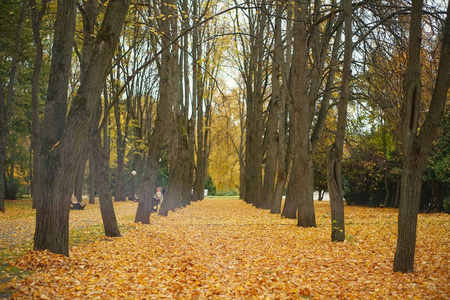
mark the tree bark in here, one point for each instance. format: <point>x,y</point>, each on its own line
<point>301,180</point>
<point>417,141</point>
<point>334,169</point>
<point>91,176</point>
<point>60,156</point>
<point>188,171</point>
<point>79,177</point>
<point>254,120</point>
<point>162,125</point>
<point>99,156</point>
<point>119,192</point>
<point>36,19</point>
<point>52,208</point>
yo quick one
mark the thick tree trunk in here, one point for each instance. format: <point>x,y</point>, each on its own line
<point>173,196</point>
<point>417,142</point>
<point>254,121</point>
<point>178,140</point>
<point>162,125</point>
<point>280,130</point>
<point>270,166</point>
<point>60,155</point>
<point>284,147</point>
<point>52,207</point>
<point>300,186</point>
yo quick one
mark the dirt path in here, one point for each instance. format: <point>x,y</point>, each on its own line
<point>227,249</point>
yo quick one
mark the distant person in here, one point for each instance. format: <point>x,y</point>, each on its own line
<point>134,198</point>
<point>157,199</point>
<point>76,204</point>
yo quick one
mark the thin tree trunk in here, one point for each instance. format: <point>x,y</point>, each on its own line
<point>36,19</point>
<point>119,190</point>
<point>334,169</point>
<point>104,193</point>
<point>79,177</point>
<point>200,168</point>
<point>91,176</point>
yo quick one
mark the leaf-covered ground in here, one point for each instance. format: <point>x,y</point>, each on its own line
<point>227,249</point>
<point>17,228</point>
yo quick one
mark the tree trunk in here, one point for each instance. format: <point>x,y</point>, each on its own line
<point>188,171</point>
<point>52,208</point>
<point>36,19</point>
<point>119,192</point>
<point>162,125</point>
<point>79,177</point>
<point>334,169</point>
<point>91,176</point>
<point>417,142</point>
<point>397,193</point>
<point>301,181</point>
<point>254,120</point>
<point>174,189</point>
<point>200,171</point>
<point>60,155</point>
<point>104,192</point>
<point>270,166</point>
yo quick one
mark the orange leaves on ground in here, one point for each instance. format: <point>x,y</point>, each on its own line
<point>226,249</point>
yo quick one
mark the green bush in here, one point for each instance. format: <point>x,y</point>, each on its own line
<point>210,186</point>
<point>12,189</point>
<point>228,193</point>
<point>447,204</point>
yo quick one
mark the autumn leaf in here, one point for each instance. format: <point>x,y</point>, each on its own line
<point>227,249</point>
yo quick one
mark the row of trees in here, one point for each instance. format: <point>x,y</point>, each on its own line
<point>296,68</point>
<point>153,84</point>
<point>149,97</point>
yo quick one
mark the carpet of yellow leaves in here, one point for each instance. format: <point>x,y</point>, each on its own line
<point>227,249</point>
<point>17,223</point>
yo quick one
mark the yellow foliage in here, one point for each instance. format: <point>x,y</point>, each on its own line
<point>224,165</point>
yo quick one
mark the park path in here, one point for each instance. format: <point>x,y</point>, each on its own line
<point>227,249</point>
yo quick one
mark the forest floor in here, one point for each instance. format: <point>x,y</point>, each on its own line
<point>227,249</point>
